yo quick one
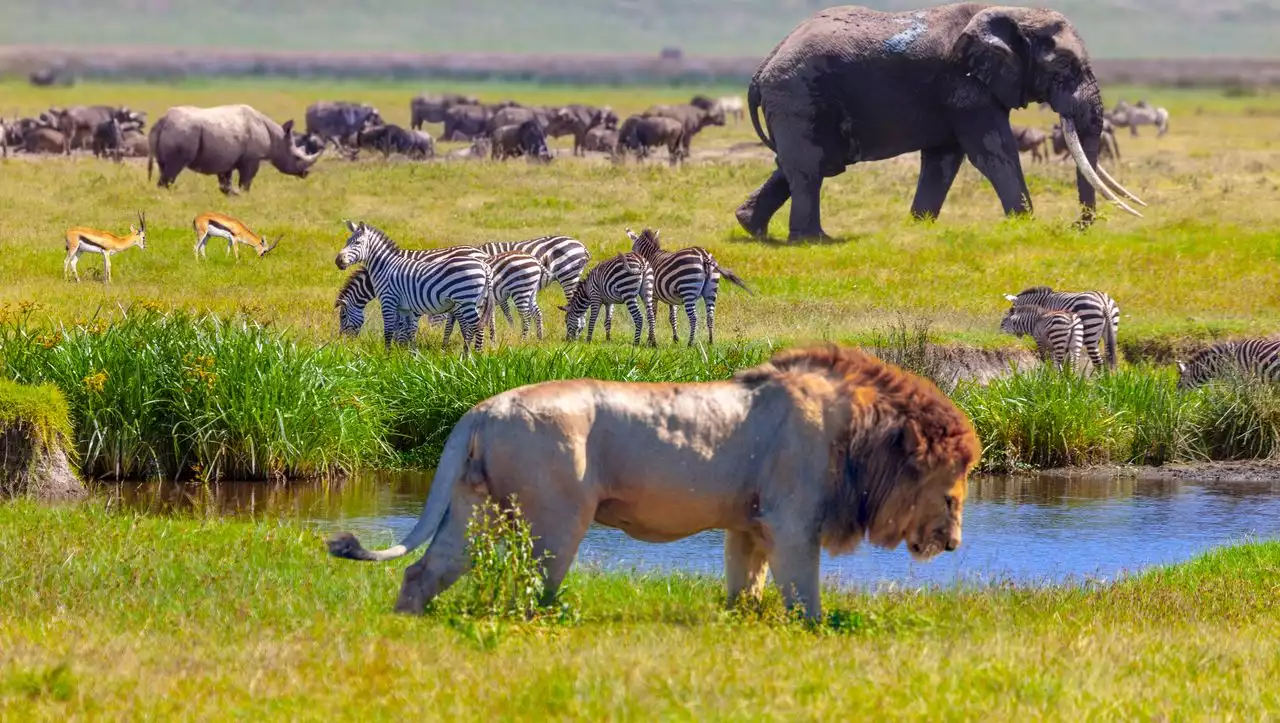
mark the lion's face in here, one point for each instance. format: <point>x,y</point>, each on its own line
<point>938,515</point>
<point>927,515</point>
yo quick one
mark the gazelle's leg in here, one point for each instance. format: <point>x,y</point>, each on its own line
<point>106,267</point>
<point>198,249</point>
<point>75,265</point>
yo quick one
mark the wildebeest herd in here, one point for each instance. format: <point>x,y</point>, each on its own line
<point>1125,115</point>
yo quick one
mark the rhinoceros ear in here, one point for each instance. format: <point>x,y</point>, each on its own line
<point>288,127</point>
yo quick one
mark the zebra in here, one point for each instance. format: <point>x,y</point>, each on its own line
<point>683,277</point>
<point>1098,312</point>
<point>563,257</point>
<point>517,276</point>
<point>416,282</point>
<point>1058,334</point>
<point>621,279</point>
<point>1251,357</point>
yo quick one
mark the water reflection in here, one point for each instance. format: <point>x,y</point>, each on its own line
<point>1027,529</point>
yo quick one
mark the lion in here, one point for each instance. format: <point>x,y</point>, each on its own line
<point>817,448</point>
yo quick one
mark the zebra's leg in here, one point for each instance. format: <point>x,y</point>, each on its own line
<point>647,291</point>
<point>390,315</point>
<point>471,316</point>
<point>536,310</point>
<point>1095,355</point>
<point>591,321</point>
<point>522,308</point>
<point>634,307</point>
<point>691,309</point>
<point>710,302</point>
<point>448,329</point>
<point>671,317</point>
<point>608,322</point>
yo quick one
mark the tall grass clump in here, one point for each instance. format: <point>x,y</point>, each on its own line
<point>180,394</point>
<point>1238,419</point>
<point>505,579</point>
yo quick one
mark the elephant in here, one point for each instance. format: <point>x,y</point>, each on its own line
<point>1031,139</point>
<point>466,122</point>
<point>223,139</point>
<point>852,84</point>
<point>431,108</point>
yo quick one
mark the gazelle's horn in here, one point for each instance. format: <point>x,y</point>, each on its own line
<point>268,249</point>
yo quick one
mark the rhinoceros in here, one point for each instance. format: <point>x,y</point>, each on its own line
<point>222,139</point>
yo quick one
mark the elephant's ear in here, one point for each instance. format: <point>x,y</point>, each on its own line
<point>992,49</point>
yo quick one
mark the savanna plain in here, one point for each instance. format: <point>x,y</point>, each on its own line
<point>115,614</point>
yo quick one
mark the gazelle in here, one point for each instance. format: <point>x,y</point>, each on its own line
<point>82,240</point>
<point>231,229</point>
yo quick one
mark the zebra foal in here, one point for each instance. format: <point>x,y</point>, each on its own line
<point>563,257</point>
<point>683,277</point>
<point>1059,334</point>
<point>1098,312</point>
<point>415,282</point>
<point>1258,358</point>
<point>624,279</point>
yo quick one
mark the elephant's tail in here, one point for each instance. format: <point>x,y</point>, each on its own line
<point>153,142</point>
<point>753,106</point>
<point>461,462</point>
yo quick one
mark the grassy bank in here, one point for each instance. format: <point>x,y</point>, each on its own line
<point>177,395</point>
<point>1199,265</point>
<point>123,617</point>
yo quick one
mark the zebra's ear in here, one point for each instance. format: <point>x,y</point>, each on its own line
<point>1010,297</point>
<point>350,224</point>
<point>1182,368</point>
<point>563,308</point>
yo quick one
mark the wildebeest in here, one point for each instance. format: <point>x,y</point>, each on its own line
<point>690,117</point>
<point>1141,113</point>
<point>515,115</point>
<point>576,120</point>
<point>526,139</point>
<point>43,139</point>
<point>340,120</point>
<point>466,122</point>
<point>133,144</point>
<point>601,140</point>
<point>477,151</point>
<point>106,139</point>
<point>640,133</point>
<point>431,108</point>
<point>1108,146</point>
<point>1031,139</point>
<point>394,139</point>
<point>223,139</point>
<point>79,123</point>
<point>46,77</point>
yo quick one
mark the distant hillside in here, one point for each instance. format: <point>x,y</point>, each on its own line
<point>1113,28</point>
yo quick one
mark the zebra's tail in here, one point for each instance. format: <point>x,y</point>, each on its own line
<point>728,274</point>
<point>1109,337</point>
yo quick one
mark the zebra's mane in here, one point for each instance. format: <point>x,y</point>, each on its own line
<point>377,237</point>
<point>1211,354</point>
<point>348,289</point>
<point>1036,290</point>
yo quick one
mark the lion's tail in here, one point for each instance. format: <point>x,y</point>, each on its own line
<point>461,459</point>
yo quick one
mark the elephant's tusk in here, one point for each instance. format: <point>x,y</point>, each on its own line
<point>1116,185</point>
<point>1086,169</point>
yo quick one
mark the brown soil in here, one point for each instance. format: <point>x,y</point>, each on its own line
<point>27,468</point>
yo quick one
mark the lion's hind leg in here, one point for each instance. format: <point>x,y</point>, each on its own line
<point>746,565</point>
<point>444,562</point>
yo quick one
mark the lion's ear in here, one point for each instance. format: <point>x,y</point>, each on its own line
<point>913,441</point>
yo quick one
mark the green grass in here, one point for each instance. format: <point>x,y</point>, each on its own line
<point>41,408</point>
<point>1200,266</point>
<point>1234,28</point>
<point>117,616</point>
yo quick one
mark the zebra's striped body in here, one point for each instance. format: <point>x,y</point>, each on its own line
<point>441,281</point>
<point>518,277</point>
<point>1059,334</point>
<point>563,257</point>
<point>1098,312</point>
<point>1258,358</point>
<point>624,279</point>
<point>683,277</point>
<point>356,293</point>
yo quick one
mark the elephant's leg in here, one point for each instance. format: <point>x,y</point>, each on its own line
<point>754,213</point>
<point>988,142</point>
<point>938,169</point>
<point>745,565</point>
<point>444,562</point>
<point>795,570</point>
